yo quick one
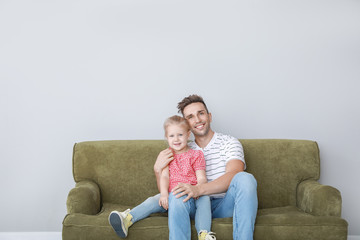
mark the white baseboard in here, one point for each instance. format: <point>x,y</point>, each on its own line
<point>30,236</point>
<point>353,237</point>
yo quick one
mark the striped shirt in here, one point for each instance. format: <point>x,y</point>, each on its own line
<point>219,151</point>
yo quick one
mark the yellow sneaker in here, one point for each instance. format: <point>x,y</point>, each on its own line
<point>120,222</point>
<point>205,235</point>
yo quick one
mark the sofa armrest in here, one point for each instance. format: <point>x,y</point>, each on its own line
<point>84,198</point>
<point>318,199</point>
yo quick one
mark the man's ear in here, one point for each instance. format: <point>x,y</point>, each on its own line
<point>210,117</point>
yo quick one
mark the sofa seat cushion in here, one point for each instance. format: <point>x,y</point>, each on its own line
<point>81,226</point>
<point>285,223</point>
<point>289,223</point>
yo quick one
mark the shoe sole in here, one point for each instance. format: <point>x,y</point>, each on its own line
<point>117,224</point>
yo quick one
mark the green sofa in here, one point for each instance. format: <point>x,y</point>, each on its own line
<point>116,175</point>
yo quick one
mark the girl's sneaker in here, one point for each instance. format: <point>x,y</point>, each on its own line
<point>205,235</point>
<point>120,222</point>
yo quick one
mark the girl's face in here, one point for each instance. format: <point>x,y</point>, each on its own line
<point>177,136</point>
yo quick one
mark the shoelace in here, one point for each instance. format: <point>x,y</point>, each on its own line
<point>125,212</point>
<point>210,236</point>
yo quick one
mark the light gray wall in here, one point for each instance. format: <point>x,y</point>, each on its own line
<point>93,70</point>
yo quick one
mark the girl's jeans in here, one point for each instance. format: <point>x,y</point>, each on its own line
<point>240,202</point>
<point>199,209</point>
<point>179,212</point>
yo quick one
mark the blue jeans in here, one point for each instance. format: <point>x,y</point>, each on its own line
<point>199,209</point>
<point>239,202</point>
<point>180,213</point>
<point>146,208</point>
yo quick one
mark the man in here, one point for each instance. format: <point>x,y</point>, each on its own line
<point>232,191</point>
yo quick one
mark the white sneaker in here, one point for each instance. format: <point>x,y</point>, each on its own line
<point>119,222</point>
<point>205,235</point>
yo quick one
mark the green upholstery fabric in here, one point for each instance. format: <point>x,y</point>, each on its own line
<point>319,199</point>
<point>123,170</point>
<point>84,198</point>
<point>279,166</point>
<point>116,175</point>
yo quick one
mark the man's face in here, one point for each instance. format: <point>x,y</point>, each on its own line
<point>198,118</point>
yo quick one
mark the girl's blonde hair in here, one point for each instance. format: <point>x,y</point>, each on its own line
<point>176,120</point>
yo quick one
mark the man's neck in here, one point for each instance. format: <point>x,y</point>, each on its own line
<point>203,141</point>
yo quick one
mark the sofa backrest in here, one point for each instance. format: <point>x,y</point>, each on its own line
<point>279,166</point>
<point>123,169</point>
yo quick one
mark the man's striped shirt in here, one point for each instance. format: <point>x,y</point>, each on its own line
<point>219,151</point>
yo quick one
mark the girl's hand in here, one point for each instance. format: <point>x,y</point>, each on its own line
<point>163,159</point>
<point>164,201</point>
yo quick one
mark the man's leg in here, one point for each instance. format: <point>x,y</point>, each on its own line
<point>179,217</point>
<point>149,206</point>
<point>240,202</point>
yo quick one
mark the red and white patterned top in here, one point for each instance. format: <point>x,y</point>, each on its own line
<point>182,168</point>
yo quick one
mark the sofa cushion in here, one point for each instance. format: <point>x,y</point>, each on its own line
<point>283,223</point>
<point>122,169</point>
<point>287,223</point>
<point>279,166</point>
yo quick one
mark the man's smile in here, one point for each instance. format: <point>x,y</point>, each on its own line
<point>200,126</point>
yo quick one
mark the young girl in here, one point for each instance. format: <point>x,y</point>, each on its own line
<point>188,166</point>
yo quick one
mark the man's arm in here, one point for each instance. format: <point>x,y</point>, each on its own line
<point>162,161</point>
<point>219,185</point>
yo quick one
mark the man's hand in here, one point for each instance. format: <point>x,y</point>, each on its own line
<point>183,188</point>
<point>164,201</point>
<point>163,159</point>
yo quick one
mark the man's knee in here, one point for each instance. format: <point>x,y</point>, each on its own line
<point>244,181</point>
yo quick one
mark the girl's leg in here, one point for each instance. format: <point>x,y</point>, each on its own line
<point>203,214</point>
<point>121,221</point>
<point>146,208</point>
<point>179,217</point>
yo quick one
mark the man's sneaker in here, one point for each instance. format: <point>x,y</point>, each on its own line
<point>205,235</point>
<point>120,222</point>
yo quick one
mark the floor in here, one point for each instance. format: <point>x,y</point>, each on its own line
<point>57,236</point>
<point>30,235</point>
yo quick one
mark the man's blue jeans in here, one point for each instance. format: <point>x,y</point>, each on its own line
<point>240,202</point>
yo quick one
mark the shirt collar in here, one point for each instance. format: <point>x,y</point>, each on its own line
<point>209,144</point>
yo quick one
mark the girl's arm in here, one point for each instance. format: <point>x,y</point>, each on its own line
<point>201,176</point>
<point>164,188</point>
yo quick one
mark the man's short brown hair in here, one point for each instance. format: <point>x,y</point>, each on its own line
<point>189,100</point>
